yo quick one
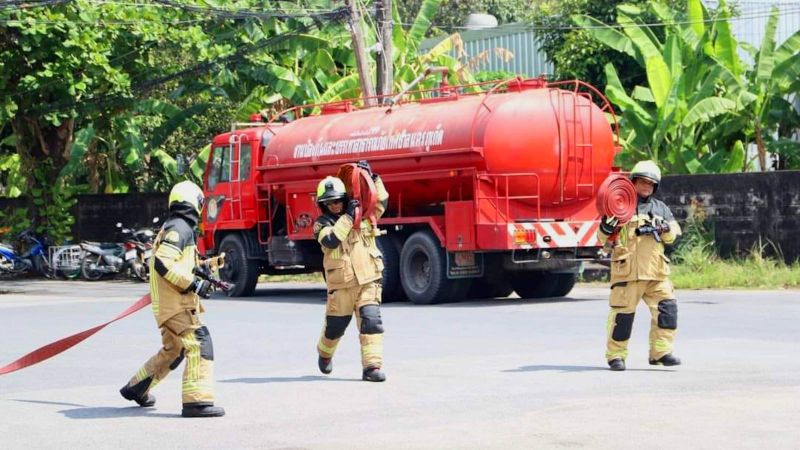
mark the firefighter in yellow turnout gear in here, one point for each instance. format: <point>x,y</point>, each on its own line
<point>353,269</point>
<point>640,270</point>
<point>175,293</point>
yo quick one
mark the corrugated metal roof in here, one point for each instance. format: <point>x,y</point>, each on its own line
<point>519,39</point>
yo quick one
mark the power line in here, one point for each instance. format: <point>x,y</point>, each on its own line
<point>755,15</point>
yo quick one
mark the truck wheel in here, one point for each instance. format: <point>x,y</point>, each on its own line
<point>392,289</point>
<point>239,270</point>
<point>490,288</point>
<point>534,284</point>
<point>565,283</point>
<point>423,270</point>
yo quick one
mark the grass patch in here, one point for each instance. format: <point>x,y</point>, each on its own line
<point>749,273</point>
<point>315,277</point>
<point>697,265</point>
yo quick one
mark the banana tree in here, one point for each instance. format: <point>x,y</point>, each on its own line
<point>689,115</point>
<point>774,76</point>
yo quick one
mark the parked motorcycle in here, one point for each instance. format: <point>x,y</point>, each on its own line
<point>32,258</point>
<point>130,257</point>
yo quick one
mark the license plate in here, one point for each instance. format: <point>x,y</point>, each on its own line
<point>130,254</point>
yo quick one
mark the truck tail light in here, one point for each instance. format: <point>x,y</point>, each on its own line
<point>524,237</point>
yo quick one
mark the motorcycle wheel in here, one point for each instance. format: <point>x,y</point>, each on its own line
<point>141,272</point>
<point>87,271</point>
<point>42,266</point>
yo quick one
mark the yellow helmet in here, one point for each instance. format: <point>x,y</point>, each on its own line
<point>330,188</point>
<point>647,170</point>
<point>187,192</point>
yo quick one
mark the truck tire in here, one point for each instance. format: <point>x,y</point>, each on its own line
<point>392,289</point>
<point>534,284</point>
<point>239,270</point>
<point>543,284</point>
<point>423,269</point>
<point>487,287</point>
<point>565,283</point>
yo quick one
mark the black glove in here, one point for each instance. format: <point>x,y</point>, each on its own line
<point>351,208</point>
<point>608,225</point>
<point>201,287</point>
<point>364,165</point>
<point>649,229</point>
<point>662,226</point>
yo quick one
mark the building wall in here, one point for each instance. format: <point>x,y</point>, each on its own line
<point>741,208</point>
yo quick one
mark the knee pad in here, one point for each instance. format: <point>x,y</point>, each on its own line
<point>206,346</point>
<point>668,314</point>
<point>178,360</point>
<point>623,325</point>
<point>335,326</point>
<point>371,322</point>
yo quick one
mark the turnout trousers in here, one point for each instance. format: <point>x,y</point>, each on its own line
<point>659,298</point>
<point>183,337</point>
<point>364,301</point>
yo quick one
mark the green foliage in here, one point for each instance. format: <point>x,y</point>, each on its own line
<point>14,222</point>
<point>699,105</point>
<point>453,13</point>
<point>54,203</point>
<point>574,52</point>
<point>493,75</point>
<point>753,272</point>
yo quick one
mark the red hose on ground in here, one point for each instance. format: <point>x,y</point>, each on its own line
<point>54,348</point>
<point>617,197</point>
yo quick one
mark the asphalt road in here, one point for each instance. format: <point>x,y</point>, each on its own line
<point>505,373</point>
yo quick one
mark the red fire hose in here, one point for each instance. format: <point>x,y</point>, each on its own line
<point>54,348</point>
<point>617,197</point>
<point>360,186</point>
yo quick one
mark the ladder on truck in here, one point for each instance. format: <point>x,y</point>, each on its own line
<point>576,171</point>
<point>234,199</point>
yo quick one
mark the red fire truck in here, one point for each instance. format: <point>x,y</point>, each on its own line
<point>492,189</point>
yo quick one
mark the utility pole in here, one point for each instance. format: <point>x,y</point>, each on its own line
<point>384,62</point>
<point>362,62</point>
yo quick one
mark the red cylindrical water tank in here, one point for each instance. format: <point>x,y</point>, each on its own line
<point>557,134</point>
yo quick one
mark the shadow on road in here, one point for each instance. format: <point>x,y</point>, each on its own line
<point>43,402</point>
<point>303,378</point>
<point>278,295</point>
<point>556,368</point>
<point>105,412</point>
<point>481,303</point>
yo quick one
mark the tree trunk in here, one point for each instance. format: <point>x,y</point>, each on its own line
<point>762,149</point>
<point>44,148</point>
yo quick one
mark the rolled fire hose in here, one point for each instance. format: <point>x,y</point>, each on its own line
<point>360,186</point>
<point>54,348</point>
<point>617,197</point>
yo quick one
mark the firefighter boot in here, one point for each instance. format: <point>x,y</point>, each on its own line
<point>667,360</point>
<point>373,374</point>
<point>202,410</point>
<point>325,365</point>
<point>617,364</point>
<point>145,401</point>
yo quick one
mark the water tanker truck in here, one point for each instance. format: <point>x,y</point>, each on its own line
<point>492,190</point>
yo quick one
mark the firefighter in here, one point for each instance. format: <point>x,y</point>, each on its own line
<point>175,292</point>
<point>640,270</point>
<point>353,268</point>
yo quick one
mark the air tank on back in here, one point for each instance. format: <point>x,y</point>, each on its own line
<point>559,135</point>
